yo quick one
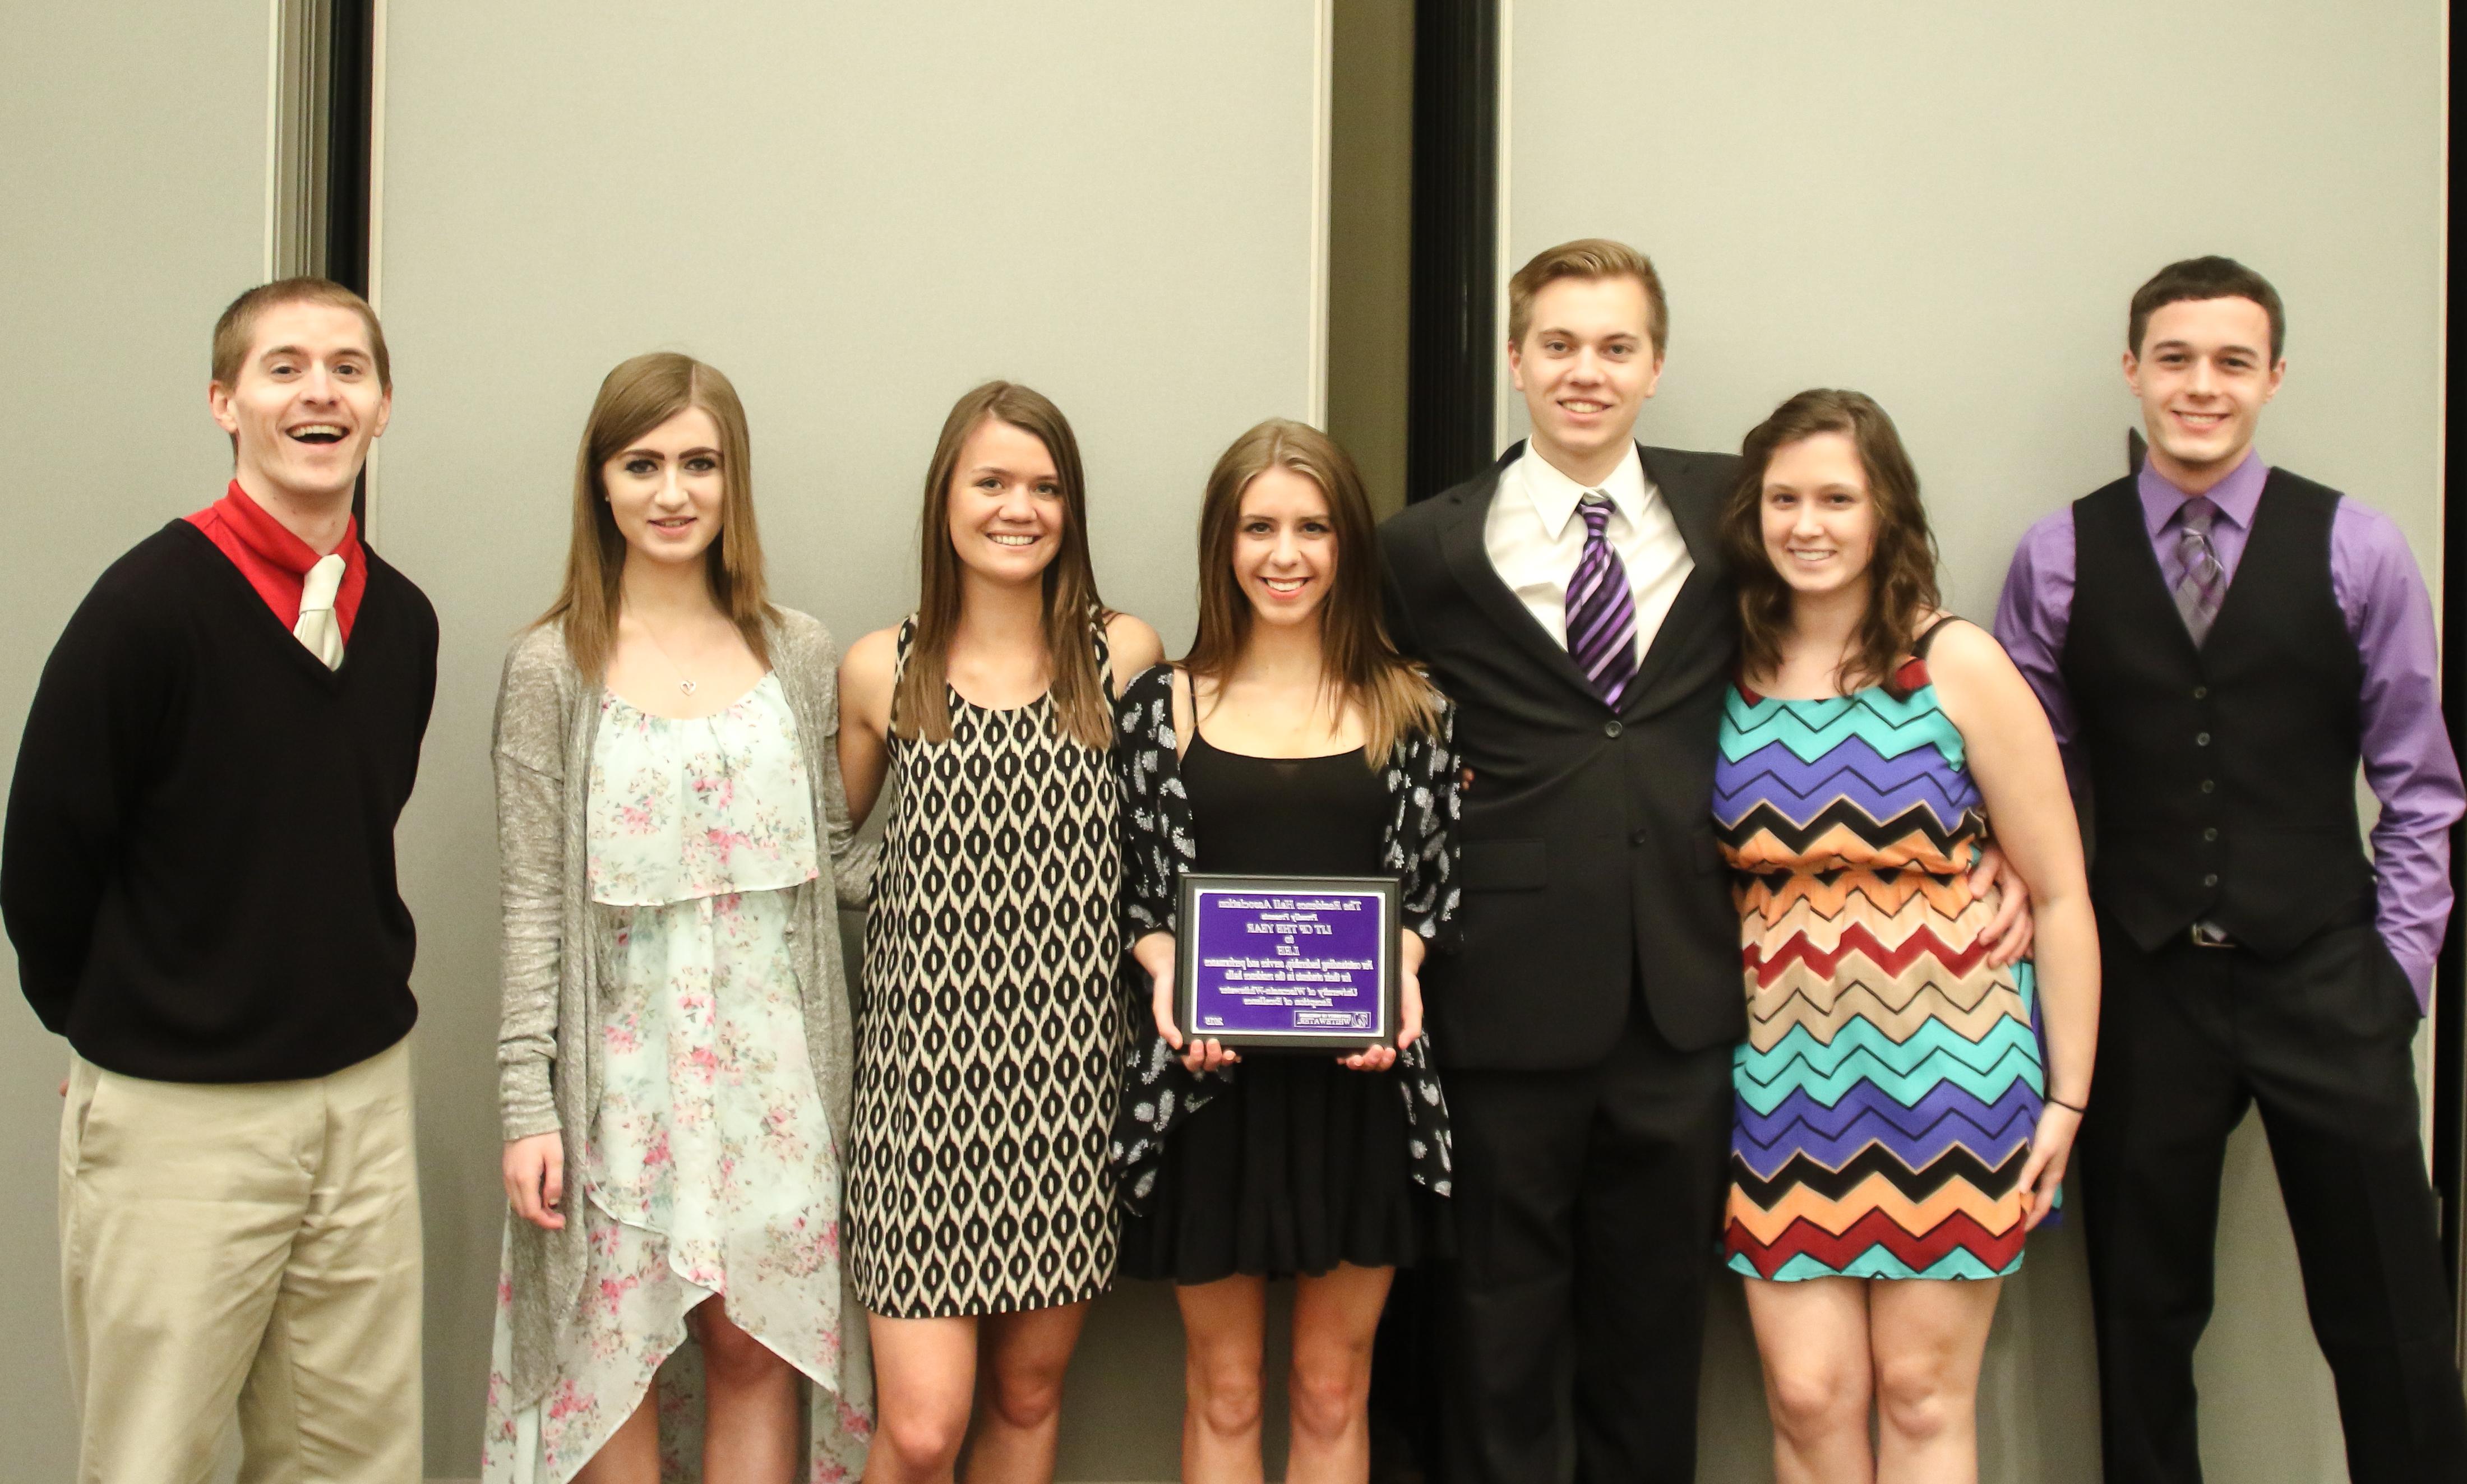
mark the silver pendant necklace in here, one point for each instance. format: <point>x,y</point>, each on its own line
<point>682,682</point>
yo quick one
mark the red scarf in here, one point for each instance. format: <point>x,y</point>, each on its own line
<point>274,561</point>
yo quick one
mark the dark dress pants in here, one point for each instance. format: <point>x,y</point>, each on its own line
<point>2321,1041</point>
<point>1587,1208</point>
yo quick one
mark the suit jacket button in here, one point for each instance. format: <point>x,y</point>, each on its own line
<point>1612,729</point>
<point>1637,838</point>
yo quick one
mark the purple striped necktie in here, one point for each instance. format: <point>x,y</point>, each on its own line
<point>1601,611</point>
<point>2205,582</point>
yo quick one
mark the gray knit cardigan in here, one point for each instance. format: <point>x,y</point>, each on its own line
<point>548,1043</point>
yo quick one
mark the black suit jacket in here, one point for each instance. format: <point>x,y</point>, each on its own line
<point>1589,857</point>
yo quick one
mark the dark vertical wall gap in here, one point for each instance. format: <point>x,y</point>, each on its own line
<point>350,120</point>
<point>1449,358</point>
<point>1454,336</point>
<point>1370,235</point>
<point>347,104</point>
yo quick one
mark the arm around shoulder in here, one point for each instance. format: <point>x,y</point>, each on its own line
<point>1432,854</point>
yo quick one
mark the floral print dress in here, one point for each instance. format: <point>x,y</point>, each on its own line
<point>710,1168</point>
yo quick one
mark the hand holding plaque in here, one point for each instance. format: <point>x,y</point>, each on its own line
<point>1290,963</point>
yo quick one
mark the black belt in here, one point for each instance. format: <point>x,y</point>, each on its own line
<point>2206,934</point>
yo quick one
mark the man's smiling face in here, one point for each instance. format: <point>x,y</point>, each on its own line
<point>305,405</point>
<point>2203,372</point>
<point>1586,366</point>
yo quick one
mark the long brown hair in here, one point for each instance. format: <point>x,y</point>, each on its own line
<point>1358,664</point>
<point>639,395</point>
<point>1901,571</point>
<point>917,707</point>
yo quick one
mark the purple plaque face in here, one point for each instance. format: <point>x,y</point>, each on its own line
<point>1302,963</point>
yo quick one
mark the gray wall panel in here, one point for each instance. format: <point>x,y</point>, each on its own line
<point>857,212</point>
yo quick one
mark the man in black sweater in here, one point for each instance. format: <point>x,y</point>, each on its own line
<point>199,876</point>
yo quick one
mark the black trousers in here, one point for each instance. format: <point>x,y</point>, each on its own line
<point>2319,1041</point>
<point>1587,1205</point>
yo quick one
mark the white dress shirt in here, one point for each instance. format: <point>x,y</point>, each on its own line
<point>1535,538</point>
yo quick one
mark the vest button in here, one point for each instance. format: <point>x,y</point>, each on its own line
<point>2212,833</point>
<point>2201,739</point>
<point>2210,785</point>
<point>2201,692</point>
<point>1639,837</point>
<point>2210,880</point>
<point>1612,729</point>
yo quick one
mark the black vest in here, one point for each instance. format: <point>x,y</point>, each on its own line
<point>2224,777</point>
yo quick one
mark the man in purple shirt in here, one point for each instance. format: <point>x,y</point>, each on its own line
<point>2219,643</point>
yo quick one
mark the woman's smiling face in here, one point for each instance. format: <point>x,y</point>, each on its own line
<point>1819,517</point>
<point>666,487</point>
<point>1284,545</point>
<point>1004,503</point>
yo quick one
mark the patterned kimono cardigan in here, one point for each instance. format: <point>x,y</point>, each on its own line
<point>1159,843</point>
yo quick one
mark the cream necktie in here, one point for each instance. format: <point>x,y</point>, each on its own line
<point>317,628</point>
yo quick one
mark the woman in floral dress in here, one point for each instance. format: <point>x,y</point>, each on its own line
<point>674,1054</point>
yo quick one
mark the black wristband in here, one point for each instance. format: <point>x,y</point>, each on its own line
<point>2074,1107</point>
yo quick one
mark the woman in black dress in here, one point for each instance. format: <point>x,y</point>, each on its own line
<point>1292,740</point>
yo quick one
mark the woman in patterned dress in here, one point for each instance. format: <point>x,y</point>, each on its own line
<point>1292,740</point>
<point>1896,1122</point>
<point>674,1054</point>
<point>990,1027</point>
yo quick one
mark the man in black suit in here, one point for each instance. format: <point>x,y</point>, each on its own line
<point>1573,599</point>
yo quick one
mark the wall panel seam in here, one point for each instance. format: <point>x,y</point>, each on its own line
<point>1503,172</point>
<point>1323,207</point>
<point>375,475</point>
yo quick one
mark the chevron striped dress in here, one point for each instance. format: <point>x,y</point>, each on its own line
<point>1892,1079</point>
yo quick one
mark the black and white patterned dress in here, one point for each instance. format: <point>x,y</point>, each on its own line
<point>989,1030</point>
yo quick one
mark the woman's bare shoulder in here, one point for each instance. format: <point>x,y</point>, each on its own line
<point>867,675</point>
<point>878,650</point>
<point>1133,644</point>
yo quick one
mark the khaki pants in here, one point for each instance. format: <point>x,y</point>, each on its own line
<point>252,1245</point>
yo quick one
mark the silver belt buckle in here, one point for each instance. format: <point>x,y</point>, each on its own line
<point>2210,934</point>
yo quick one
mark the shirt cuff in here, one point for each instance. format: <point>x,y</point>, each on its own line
<point>2419,975</point>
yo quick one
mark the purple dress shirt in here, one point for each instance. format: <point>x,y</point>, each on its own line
<point>2406,748</point>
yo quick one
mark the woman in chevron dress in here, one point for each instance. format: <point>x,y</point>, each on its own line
<point>1897,1119</point>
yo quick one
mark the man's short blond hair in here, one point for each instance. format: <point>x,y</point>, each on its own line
<point>1587,258</point>
<point>238,326</point>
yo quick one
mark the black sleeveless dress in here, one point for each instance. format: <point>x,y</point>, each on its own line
<point>1300,1164</point>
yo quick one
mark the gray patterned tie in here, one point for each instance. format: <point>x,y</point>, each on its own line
<point>2204,581</point>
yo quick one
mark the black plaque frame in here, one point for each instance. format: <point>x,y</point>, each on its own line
<point>1186,957</point>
